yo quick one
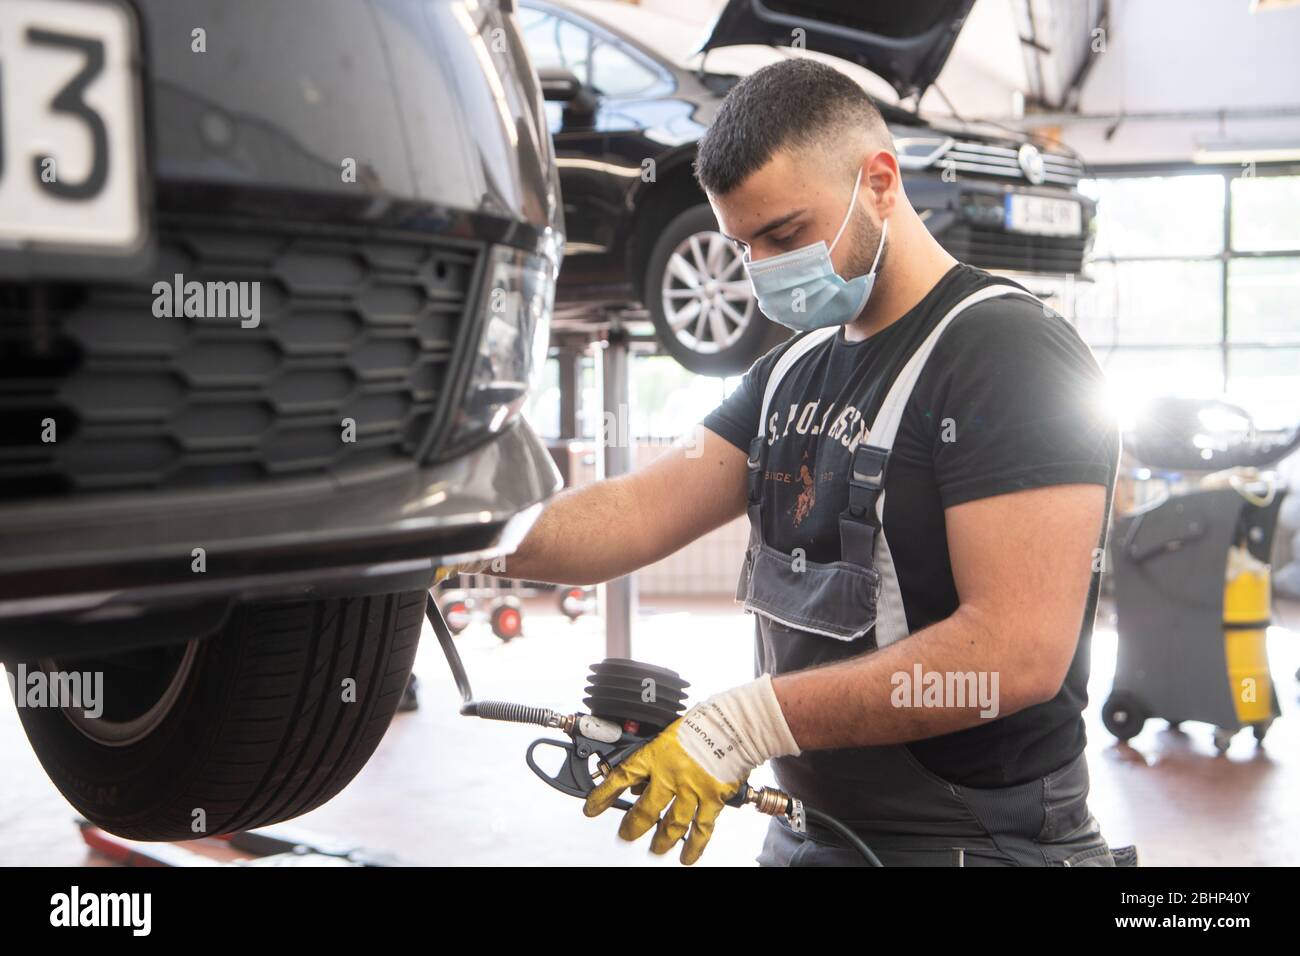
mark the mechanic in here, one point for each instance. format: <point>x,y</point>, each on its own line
<point>927,468</point>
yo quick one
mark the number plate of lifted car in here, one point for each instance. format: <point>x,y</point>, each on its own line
<point>1043,216</point>
<point>70,129</point>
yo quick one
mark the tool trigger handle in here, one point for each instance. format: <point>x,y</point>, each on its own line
<point>566,780</point>
<point>574,776</point>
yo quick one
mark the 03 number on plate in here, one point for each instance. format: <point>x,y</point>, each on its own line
<point>70,129</point>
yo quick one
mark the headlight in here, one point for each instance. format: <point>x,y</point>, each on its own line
<point>517,297</point>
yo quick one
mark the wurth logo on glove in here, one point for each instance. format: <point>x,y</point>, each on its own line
<point>704,735</point>
<point>705,738</point>
<point>731,733</point>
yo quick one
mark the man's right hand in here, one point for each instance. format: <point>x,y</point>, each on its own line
<point>469,567</point>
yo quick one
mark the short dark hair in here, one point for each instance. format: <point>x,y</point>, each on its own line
<point>796,102</point>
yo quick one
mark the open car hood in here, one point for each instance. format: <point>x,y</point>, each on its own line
<point>905,42</point>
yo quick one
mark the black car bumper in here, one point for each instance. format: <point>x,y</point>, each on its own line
<point>119,556</point>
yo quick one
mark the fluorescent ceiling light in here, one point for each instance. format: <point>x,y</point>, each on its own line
<point>1244,152</point>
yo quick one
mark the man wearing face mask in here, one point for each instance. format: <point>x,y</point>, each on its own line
<point>927,471</point>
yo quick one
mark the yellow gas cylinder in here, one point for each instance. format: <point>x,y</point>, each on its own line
<point>1246,602</point>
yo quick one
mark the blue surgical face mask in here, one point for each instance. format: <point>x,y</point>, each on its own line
<point>826,298</point>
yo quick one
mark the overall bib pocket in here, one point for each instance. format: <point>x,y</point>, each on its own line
<point>835,600</point>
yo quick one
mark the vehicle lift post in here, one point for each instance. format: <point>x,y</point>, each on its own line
<point>620,594</point>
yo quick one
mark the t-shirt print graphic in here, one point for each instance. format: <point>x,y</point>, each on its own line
<point>808,497</point>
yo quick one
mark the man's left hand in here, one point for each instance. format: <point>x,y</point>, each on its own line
<point>697,764</point>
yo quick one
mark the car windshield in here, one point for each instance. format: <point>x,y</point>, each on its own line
<point>558,42</point>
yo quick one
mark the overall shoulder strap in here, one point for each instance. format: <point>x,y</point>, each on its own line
<point>791,355</point>
<point>862,525</point>
<point>863,519</point>
<point>885,426</point>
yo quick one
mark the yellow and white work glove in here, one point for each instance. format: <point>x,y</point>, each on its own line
<point>697,763</point>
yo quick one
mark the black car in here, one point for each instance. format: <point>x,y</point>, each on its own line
<point>643,232</point>
<point>273,280</point>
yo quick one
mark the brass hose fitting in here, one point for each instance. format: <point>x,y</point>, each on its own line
<point>769,800</point>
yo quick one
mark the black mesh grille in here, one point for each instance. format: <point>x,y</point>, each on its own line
<point>988,248</point>
<point>358,328</point>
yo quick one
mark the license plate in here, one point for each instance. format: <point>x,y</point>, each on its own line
<point>1043,216</point>
<point>70,129</point>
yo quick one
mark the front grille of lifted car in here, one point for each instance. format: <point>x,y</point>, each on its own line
<point>351,327</point>
<point>995,160</point>
<point>994,248</point>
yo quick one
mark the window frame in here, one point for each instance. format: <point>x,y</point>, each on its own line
<point>1226,256</point>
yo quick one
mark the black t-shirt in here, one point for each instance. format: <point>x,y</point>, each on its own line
<point>1010,399</point>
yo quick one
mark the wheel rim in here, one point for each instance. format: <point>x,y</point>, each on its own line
<point>143,716</point>
<point>708,301</point>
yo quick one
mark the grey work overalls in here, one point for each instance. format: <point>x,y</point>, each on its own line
<point>814,613</point>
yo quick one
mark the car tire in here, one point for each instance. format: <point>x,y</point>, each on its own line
<point>251,726</point>
<point>676,315</point>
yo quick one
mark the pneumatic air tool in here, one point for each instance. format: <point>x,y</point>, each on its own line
<point>630,703</point>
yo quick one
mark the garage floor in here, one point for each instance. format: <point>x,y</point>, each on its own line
<point>447,789</point>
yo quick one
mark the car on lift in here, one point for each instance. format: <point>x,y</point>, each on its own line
<point>274,280</point>
<point>626,112</point>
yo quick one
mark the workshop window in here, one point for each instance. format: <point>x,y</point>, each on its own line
<point>542,406</point>
<point>1264,301</point>
<point>1158,216</point>
<point>1195,280</point>
<point>668,401</point>
<point>1265,213</point>
<point>1153,302</point>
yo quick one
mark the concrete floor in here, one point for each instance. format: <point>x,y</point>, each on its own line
<point>443,789</point>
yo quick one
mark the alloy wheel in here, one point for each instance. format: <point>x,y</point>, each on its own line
<point>707,298</point>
